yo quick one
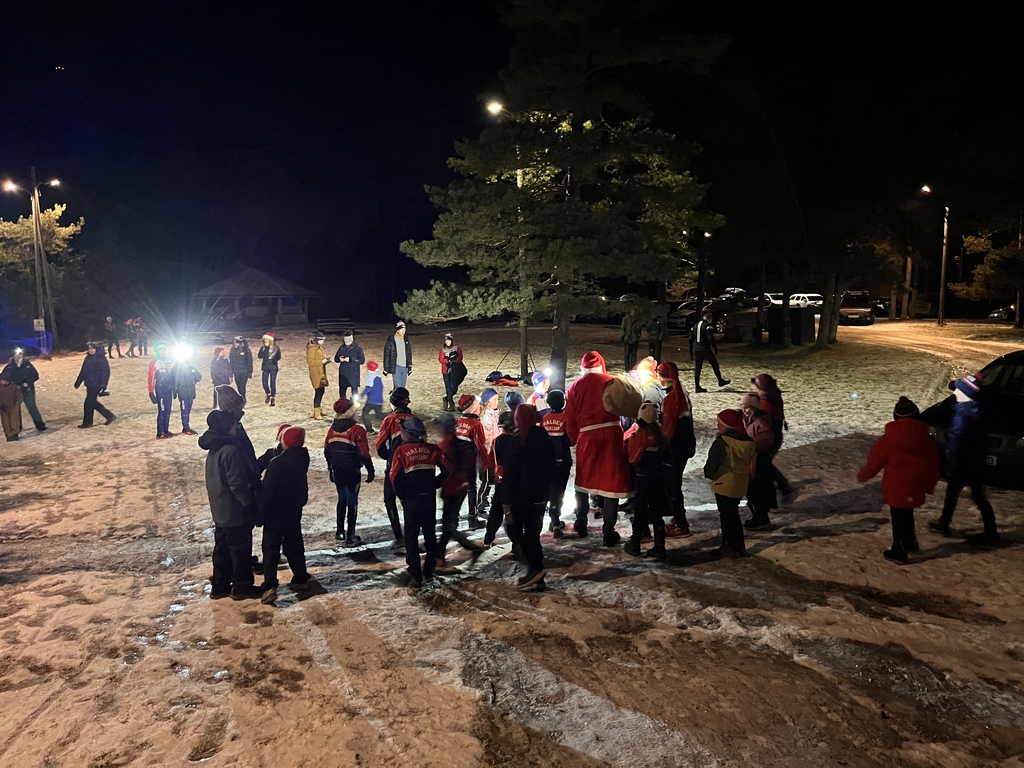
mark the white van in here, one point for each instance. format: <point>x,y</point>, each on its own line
<point>802,300</point>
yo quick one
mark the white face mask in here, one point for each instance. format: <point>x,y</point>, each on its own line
<point>348,339</point>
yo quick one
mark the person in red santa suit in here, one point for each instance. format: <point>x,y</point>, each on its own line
<point>592,423</point>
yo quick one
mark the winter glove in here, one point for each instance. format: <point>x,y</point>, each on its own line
<point>369,475</point>
<point>152,397</point>
<point>409,370</point>
<point>386,373</point>
<point>785,426</point>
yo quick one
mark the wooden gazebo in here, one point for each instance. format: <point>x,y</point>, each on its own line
<point>251,293</point>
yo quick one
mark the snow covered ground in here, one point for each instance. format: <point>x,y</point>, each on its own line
<point>815,651</point>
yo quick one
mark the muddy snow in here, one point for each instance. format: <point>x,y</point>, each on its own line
<point>814,651</point>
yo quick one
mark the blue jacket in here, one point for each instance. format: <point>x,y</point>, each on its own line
<point>374,389</point>
<point>95,373</point>
<point>965,440</point>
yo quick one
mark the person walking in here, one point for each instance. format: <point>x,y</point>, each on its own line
<point>185,379</point>
<point>373,397</point>
<point>284,493</point>
<point>94,375</point>
<point>10,407</point>
<point>133,335</point>
<point>349,358</point>
<point>316,360</point>
<point>270,354</point>
<point>704,348</point>
<point>453,493</point>
<point>771,403</point>
<point>760,489</point>
<point>729,467</point>
<point>346,450</point>
<point>909,461</point>
<point>24,375</point>
<point>452,370</point>
<point>220,371</point>
<point>232,490</point>
<point>398,356</point>
<point>240,358</point>
<point>161,389</point>
<point>650,454</point>
<point>965,454</point>
<point>112,336</point>
<point>388,439</point>
<point>417,471</point>
<point>677,425</point>
<point>631,329</point>
<point>596,431</point>
<point>553,423</point>
<point>142,333</point>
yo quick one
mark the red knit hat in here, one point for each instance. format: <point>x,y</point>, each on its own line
<point>466,402</point>
<point>280,431</point>
<point>732,419</point>
<point>371,366</point>
<point>592,361</point>
<point>343,408</point>
<point>293,437</point>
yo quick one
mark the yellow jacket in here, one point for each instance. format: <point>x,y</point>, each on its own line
<point>315,361</point>
<point>729,463</point>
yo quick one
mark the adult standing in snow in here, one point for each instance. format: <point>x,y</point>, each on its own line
<point>220,371</point>
<point>704,348</point>
<point>241,363</point>
<point>450,358</point>
<point>112,336</point>
<point>631,329</point>
<point>185,379</point>
<point>592,422</point>
<point>677,424</point>
<point>771,403</point>
<point>161,389</point>
<point>729,465</point>
<point>270,354</point>
<point>95,374</point>
<point>133,335</point>
<point>24,375</point>
<point>316,360</point>
<point>232,490</point>
<point>965,452</point>
<point>142,333</point>
<point>349,358</point>
<point>398,356</point>
<point>909,460</point>
<point>657,332</point>
<point>759,492</point>
<point>10,407</point>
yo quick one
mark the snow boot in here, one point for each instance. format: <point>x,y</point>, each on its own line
<point>897,556</point>
<point>273,400</point>
<point>632,547</point>
<point>611,538</point>
<point>267,401</point>
<point>757,522</point>
<point>318,414</point>
<point>657,552</point>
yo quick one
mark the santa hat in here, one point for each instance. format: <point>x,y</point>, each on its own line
<point>372,366</point>
<point>525,419</point>
<point>970,385</point>
<point>344,409</point>
<point>466,403</point>
<point>648,413</point>
<point>217,352</point>
<point>750,400</point>
<point>293,437</point>
<point>593,363</point>
<point>905,409</point>
<point>449,336</point>
<point>732,419</point>
<point>647,367</point>
<point>268,336</point>
<point>281,430</point>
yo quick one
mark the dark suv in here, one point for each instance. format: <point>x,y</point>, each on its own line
<point>1002,403</point>
<point>856,309</point>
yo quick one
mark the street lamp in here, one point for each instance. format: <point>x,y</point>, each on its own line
<point>494,107</point>
<point>42,274</point>
<point>927,190</point>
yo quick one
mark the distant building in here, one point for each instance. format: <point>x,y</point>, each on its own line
<point>253,294</point>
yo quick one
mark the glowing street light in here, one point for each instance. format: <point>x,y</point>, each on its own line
<point>927,190</point>
<point>494,107</point>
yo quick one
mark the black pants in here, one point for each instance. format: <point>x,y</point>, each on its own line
<point>762,487</point>
<point>132,343</point>
<point>240,384</point>
<point>955,482</point>
<point>143,346</point>
<point>289,537</point>
<point>527,521</point>
<point>420,514</point>
<point>558,483</point>
<point>495,517</point>
<point>232,557</point>
<point>391,504</point>
<point>654,349</point>
<point>732,528</point>
<point>372,409</point>
<point>450,508</point>
<point>650,503</point>
<point>92,404</point>
<point>471,477</point>
<point>111,344</point>
<point>609,505</point>
<point>487,480</point>
<point>318,396</point>
<point>698,363</point>
<point>676,502</point>
<point>347,485</point>
<point>344,385</point>
<point>450,388</point>
<point>629,354</point>
<point>903,537</point>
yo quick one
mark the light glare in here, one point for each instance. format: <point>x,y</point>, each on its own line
<point>926,189</point>
<point>182,352</point>
<point>494,107</point>
<point>10,186</point>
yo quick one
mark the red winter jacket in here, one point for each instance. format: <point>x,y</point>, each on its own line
<point>442,358</point>
<point>910,460</point>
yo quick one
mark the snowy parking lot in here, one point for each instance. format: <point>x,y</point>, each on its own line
<point>814,651</point>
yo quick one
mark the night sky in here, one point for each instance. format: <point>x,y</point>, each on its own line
<point>195,136</point>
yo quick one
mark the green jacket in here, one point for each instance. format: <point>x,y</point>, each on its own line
<point>729,464</point>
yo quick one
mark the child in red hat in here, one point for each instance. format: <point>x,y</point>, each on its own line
<point>730,466</point>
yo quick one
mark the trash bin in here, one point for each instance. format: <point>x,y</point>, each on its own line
<point>801,325</point>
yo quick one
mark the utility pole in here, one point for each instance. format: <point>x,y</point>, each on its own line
<point>37,248</point>
<point>42,271</point>
<point>942,277</point>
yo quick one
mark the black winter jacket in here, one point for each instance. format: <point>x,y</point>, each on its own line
<point>241,361</point>
<point>391,354</point>
<point>95,373</point>
<point>24,375</point>
<point>528,469</point>
<point>270,356</point>
<point>185,379</point>
<point>702,338</point>
<point>351,369</point>
<point>285,488</point>
<point>231,486</point>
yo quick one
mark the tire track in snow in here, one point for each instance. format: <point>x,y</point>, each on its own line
<point>450,653</point>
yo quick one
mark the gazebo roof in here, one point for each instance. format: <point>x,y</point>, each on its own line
<point>253,283</point>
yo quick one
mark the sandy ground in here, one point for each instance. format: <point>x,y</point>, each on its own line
<point>813,652</point>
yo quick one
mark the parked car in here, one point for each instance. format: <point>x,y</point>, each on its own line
<point>1003,313</point>
<point>684,316</point>
<point>1002,402</point>
<point>803,300</point>
<point>772,299</point>
<point>855,309</point>
<point>880,306</point>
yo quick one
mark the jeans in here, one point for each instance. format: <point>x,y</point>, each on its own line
<point>232,557</point>
<point>348,501</point>
<point>186,411</point>
<point>29,396</point>
<point>400,376</point>
<point>732,528</point>
<point>240,383</point>
<point>270,383</point>
<point>609,506</point>
<point>372,409</point>
<point>92,404</point>
<point>287,536</point>
<point>420,513</point>
<point>699,358</point>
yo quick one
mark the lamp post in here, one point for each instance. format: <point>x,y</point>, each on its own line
<point>42,274</point>
<point>927,190</point>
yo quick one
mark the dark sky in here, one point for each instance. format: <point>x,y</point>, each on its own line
<point>192,136</point>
